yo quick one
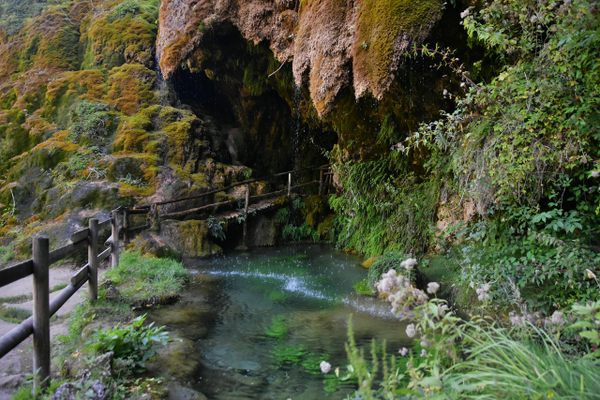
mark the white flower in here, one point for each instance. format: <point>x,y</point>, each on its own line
<point>557,318</point>
<point>482,292</point>
<point>424,343</point>
<point>466,13</point>
<point>411,331</point>
<point>325,367</point>
<point>423,353</point>
<point>409,263</point>
<point>403,351</point>
<point>432,287</point>
<point>515,320</point>
<point>589,274</point>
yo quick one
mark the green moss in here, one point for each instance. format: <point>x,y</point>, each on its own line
<point>130,88</point>
<point>124,35</point>
<point>8,99</point>
<point>70,87</point>
<point>363,288</point>
<point>380,24</point>
<point>50,41</point>
<point>92,123</point>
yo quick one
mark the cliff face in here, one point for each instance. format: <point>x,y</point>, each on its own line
<point>330,43</point>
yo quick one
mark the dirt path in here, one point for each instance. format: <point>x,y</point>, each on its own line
<point>17,365</point>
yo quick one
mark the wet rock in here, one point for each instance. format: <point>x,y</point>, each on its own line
<point>11,381</point>
<point>74,390</point>
<point>191,319</point>
<point>189,238</point>
<point>85,194</point>
<point>263,231</point>
<point>179,392</point>
<point>179,359</point>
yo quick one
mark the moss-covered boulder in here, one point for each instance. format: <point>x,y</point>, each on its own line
<point>189,238</point>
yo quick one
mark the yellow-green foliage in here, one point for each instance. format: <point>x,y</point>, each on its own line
<point>380,24</point>
<point>130,88</point>
<point>124,34</point>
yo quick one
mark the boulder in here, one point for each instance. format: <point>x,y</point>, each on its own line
<point>189,238</point>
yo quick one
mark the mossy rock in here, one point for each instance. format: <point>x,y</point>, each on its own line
<point>125,34</point>
<point>386,29</point>
<point>189,238</point>
<point>125,167</point>
<point>131,88</point>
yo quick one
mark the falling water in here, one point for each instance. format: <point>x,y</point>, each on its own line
<point>296,136</point>
<point>166,94</point>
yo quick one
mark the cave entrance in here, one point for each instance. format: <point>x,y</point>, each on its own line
<point>259,119</point>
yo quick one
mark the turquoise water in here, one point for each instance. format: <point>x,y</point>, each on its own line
<point>268,317</point>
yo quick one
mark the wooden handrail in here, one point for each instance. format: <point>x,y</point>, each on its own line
<point>38,324</point>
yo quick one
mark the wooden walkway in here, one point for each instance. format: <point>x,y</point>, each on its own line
<point>316,180</point>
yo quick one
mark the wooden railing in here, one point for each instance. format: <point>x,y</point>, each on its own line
<point>162,210</point>
<point>38,266</point>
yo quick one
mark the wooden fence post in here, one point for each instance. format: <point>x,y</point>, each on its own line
<point>41,313</point>
<point>93,259</point>
<point>289,187</point>
<point>125,226</point>
<point>114,233</point>
<point>320,181</point>
<point>154,218</point>
<point>245,227</point>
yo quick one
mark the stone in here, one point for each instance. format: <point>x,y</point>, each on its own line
<point>180,392</point>
<point>95,390</point>
<point>189,238</point>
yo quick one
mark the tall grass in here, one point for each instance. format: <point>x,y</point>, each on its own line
<point>498,366</point>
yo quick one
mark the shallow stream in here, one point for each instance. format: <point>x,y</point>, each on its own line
<point>256,325</point>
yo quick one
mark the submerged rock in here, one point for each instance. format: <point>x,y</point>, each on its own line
<point>179,392</point>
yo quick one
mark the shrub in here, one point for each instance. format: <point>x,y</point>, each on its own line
<point>91,122</point>
<point>132,345</point>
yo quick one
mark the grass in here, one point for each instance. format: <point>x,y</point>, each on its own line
<point>500,367</point>
<point>57,287</point>
<point>22,298</point>
<point>141,277</point>
<point>13,315</point>
<point>7,254</point>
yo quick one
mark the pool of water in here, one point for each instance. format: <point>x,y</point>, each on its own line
<point>257,324</point>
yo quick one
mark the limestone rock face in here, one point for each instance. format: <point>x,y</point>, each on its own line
<point>189,238</point>
<point>331,43</point>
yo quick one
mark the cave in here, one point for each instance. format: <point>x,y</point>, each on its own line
<point>255,112</point>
